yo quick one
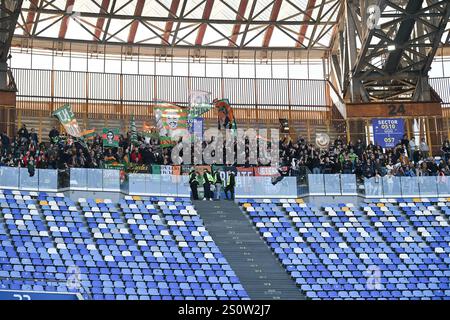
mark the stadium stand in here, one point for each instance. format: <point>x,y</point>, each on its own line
<point>383,249</point>
<point>149,248</point>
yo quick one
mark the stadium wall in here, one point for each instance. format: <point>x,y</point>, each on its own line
<point>100,99</point>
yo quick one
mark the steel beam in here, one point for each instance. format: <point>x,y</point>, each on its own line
<point>391,61</point>
<point>273,17</point>
<point>9,14</point>
<point>237,27</point>
<point>30,16</point>
<point>101,21</point>
<point>403,35</point>
<point>66,19</point>
<point>134,26</point>
<point>202,29</point>
<point>169,24</point>
<point>304,27</point>
<point>188,20</point>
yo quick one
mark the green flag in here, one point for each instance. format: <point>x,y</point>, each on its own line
<point>88,134</point>
<point>67,119</point>
<point>199,103</point>
<point>133,131</point>
<point>151,135</point>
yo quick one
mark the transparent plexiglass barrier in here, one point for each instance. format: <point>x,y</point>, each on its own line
<point>19,178</point>
<point>392,187</point>
<point>316,184</point>
<point>158,185</point>
<point>332,184</point>
<point>348,185</point>
<point>265,187</point>
<point>9,178</point>
<point>172,185</point>
<point>95,179</point>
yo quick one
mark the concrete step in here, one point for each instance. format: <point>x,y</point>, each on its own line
<point>259,271</point>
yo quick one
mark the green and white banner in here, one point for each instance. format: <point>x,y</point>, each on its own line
<point>199,103</point>
<point>133,131</point>
<point>68,120</point>
<point>171,122</point>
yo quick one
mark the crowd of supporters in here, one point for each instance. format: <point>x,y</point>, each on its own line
<point>65,152</point>
<point>408,158</point>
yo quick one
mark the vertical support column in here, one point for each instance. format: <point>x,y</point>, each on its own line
<point>427,129</point>
<point>52,91</point>
<point>408,127</point>
<point>308,128</point>
<point>86,105</point>
<point>436,132</point>
<point>19,119</point>
<point>124,123</point>
<point>289,100</point>
<point>351,50</point>
<point>421,129</point>
<point>367,131</point>
<point>40,127</point>
<point>347,129</point>
<point>448,128</point>
<point>256,102</point>
<point>10,121</point>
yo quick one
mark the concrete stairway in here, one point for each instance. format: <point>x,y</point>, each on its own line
<point>262,276</point>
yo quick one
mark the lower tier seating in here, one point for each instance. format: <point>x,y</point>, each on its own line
<point>141,248</point>
<point>383,249</point>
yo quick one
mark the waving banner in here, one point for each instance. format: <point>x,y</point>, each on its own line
<point>171,121</point>
<point>110,138</point>
<point>67,119</point>
<point>88,134</point>
<point>133,131</point>
<point>225,115</point>
<point>199,103</point>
